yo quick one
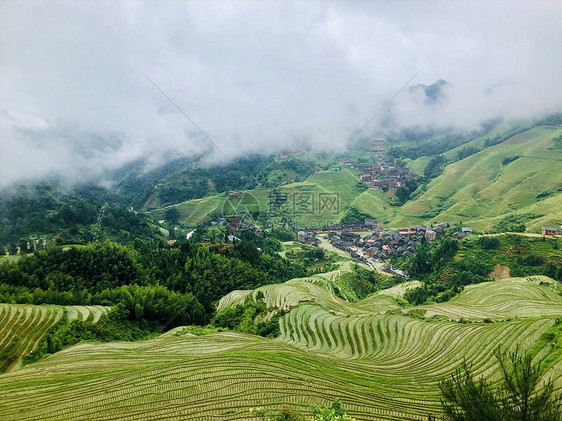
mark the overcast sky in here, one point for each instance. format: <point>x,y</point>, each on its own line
<point>256,76</point>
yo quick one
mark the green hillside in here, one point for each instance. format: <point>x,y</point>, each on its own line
<point>372,202</point>
<point>193,211</point>
<point>480,142</point>
<point>341,182</point>
<point>482,189</point>
<point>383,365</point>
<point>339,186</point>
<point>518,178</point>
<point>418,165</point>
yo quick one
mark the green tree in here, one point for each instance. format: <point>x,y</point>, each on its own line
<point>332,413</point>
<point>489,243</point>
<point>466,151</point>
<point>173,215</point>
<point>434,167</point>
<point>521,396</point>
<point>335,412</point>
<point>285,414</point>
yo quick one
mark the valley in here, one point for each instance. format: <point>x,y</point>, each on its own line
<point>319,283</point>
<point>241,210</point>
<point>478,190</point>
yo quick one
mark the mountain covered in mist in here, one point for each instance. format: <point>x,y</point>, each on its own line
<point>489,178</point>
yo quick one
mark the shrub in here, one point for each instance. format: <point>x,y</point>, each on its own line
<point>332,413</point>
<point>489,243</point>
<point>466,151</point>
<point>509,160</point>
<point>285,414</point>
<point>521,395</point>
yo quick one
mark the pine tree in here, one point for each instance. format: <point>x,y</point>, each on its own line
<point>522,394</point>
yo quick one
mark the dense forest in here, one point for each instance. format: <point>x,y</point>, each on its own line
<point>52,211</point>
<point>185,179</point>
<point>172,285</point>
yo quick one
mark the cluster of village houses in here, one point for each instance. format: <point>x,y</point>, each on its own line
<point>237,224</point>
<point>381,244</point>
<point>233,225</point>
<point>378,246</point>
<point>382,175</point>
<point>551,230</point>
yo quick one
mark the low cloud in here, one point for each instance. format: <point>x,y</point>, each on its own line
<point>256,76</point>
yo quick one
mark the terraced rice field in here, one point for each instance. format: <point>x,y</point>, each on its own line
<point>318,289</point>
<point>381,366</point>
<point>395,339</point>
<point>502,299</point>
<point>86,313</point>
<point>22,326</point>
<point>400,289</point>
<point>214,377</point>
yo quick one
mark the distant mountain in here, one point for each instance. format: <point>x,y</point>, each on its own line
<point>433,93</point>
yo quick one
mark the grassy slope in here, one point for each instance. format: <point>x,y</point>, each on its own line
<point>193,211</point>
<point>477,143</point>
<point>341,183</point>
<point>418,165</point>
<point>382,366</point>
<point>479,191</point>
<point>372,203</point>
<point>197,211</point>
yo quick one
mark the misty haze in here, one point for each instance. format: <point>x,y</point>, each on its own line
<point>280,210</point>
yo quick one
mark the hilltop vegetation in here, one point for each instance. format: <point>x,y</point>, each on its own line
<point>493,180</point>
<point>51,210</point>
<point>501,178</point>
<point>48,212</point>
<point>187,179</point>
<point>340,184</point>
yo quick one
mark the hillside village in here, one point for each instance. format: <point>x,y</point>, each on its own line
<point>380,245</point>
<point>384,176</point>
<point>381,175</point>
<point>383,244</point>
